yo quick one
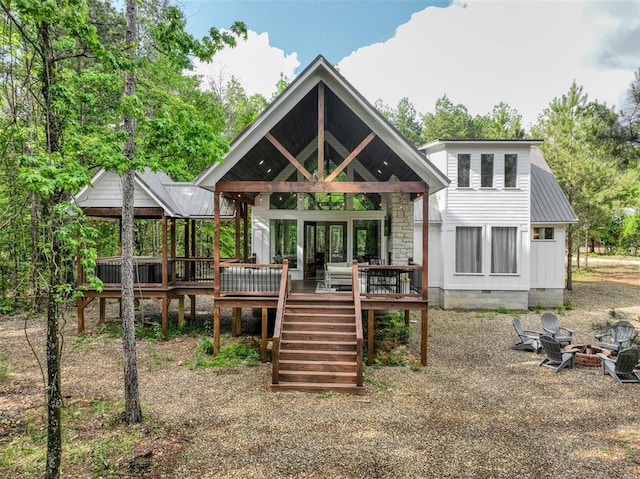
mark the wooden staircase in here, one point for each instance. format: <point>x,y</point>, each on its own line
<point>318,347</point>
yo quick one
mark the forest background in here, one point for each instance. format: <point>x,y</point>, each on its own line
<point>66,112</point>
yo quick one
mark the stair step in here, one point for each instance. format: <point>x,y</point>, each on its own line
<point>318,326</point>
<point>317,387</point>
<point>288,335</point>
<point>318,376</point>
<point>317,345</point>
<point>316,355</point>
<point>306,365</point>
<point>330,316</point>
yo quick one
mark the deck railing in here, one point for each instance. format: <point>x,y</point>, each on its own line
<point>252,279</point>
<point>193,269</point>
<point>277,328</point>
<point>389,280</point>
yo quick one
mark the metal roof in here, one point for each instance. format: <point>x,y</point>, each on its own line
<point>548,202</point>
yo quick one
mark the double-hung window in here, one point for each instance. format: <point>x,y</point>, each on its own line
<point>486,170</point>
<point>504,249</point>
<point>468,249</point>
<point>464,171</point>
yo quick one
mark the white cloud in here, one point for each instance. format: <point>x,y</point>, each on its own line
<point>254,62</point>
<point>524,53</point>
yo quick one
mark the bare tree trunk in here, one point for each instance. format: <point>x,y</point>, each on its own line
<point>586,249</point>
<point>132,412</point>
<point>569,258</point>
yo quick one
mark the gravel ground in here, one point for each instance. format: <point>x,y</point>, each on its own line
<point>478,410</point>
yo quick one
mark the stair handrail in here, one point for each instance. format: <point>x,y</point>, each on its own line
<point>358,318</point>
<point>284,288</point>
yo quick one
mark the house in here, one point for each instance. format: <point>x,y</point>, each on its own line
<point>329,183</point>
<point>497,232</point>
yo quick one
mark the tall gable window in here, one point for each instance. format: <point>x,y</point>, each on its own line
<point>510,170</point>
<point>504,249</point>
<point>468,249</point>
<point>464,171</point>
<point>486,170</point>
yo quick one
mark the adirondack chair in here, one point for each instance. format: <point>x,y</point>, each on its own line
<point>529,340</point>
<point>555,357</point>
<point>618,337</point>
<point>552,328</point>
<point>622,369</point>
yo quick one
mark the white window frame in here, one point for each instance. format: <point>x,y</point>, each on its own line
<point>515,155</point>
<point>463,248</point>
<point>506,244</point>
<point>483,157</point>
<point>460,157</point>
<point>540,229</point>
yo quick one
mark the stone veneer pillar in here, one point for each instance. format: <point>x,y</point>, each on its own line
<point>400,241</point>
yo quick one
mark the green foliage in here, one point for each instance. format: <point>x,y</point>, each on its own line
<point>391,327</point>
<point>205,346</point>
<point>449,121</point>
<point>230,355</point>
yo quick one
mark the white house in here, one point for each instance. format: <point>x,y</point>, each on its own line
<point>497,232</point>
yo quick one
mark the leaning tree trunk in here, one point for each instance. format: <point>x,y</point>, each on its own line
<point>132,410</point>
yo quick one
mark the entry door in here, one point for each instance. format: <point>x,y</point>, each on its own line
<point>337,238</point>
<point>309,250</point>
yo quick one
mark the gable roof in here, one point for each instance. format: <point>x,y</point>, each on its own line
<point>548,202</point>
<point>177,200</point>
<point>348,118</point>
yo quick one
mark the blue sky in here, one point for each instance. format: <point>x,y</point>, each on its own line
<point>333,28</point>
<point>477,52</point>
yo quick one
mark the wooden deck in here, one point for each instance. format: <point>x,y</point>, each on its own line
<point>299,290</point>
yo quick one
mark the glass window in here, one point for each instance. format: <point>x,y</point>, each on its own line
<point>464,171</point>
<point>486,170</point>
<point>504,248</point>
<point>284,241</point>
<point>367,240</point>
<point>510,170</point>
<point>543,233</point>
<point>468,249</point>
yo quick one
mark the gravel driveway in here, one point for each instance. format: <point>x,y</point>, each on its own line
<point>478,410</point>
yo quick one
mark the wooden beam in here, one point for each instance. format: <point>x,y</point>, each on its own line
<point>320,131</point>
<point>351,156</point>
<point>370,332</point>
<point>292,159</point>
<point>263,345</point>
<point>165,253</point>
<point>322,186</point>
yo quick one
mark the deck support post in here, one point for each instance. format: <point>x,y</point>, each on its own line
<point>180,312</point>
<point>370,326</point>
<point>236,322</point>
<point>165,317</point>
<point>424,337</point>
<point>263,346</point>
<point>103,310</point>
<point>407,317</point>
<point>216,330</point>
<point>193,308</point>
<point>80,316</point>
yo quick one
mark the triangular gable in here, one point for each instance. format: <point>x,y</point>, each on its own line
<point>378,138</point>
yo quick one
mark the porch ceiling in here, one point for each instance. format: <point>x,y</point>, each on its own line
<point>297,132</point>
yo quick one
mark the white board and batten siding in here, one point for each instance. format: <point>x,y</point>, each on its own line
<point>107,193</point>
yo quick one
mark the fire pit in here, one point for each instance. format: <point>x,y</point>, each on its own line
<point>587,354</point>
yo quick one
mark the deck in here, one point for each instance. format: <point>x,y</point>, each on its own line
<point>248,285</point>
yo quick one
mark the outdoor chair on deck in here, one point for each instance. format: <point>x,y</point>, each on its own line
<point>555,357</point>
<point>622,368</point>
<point>618,337</point>
<point>529,340</point>
<point>552,328</point>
